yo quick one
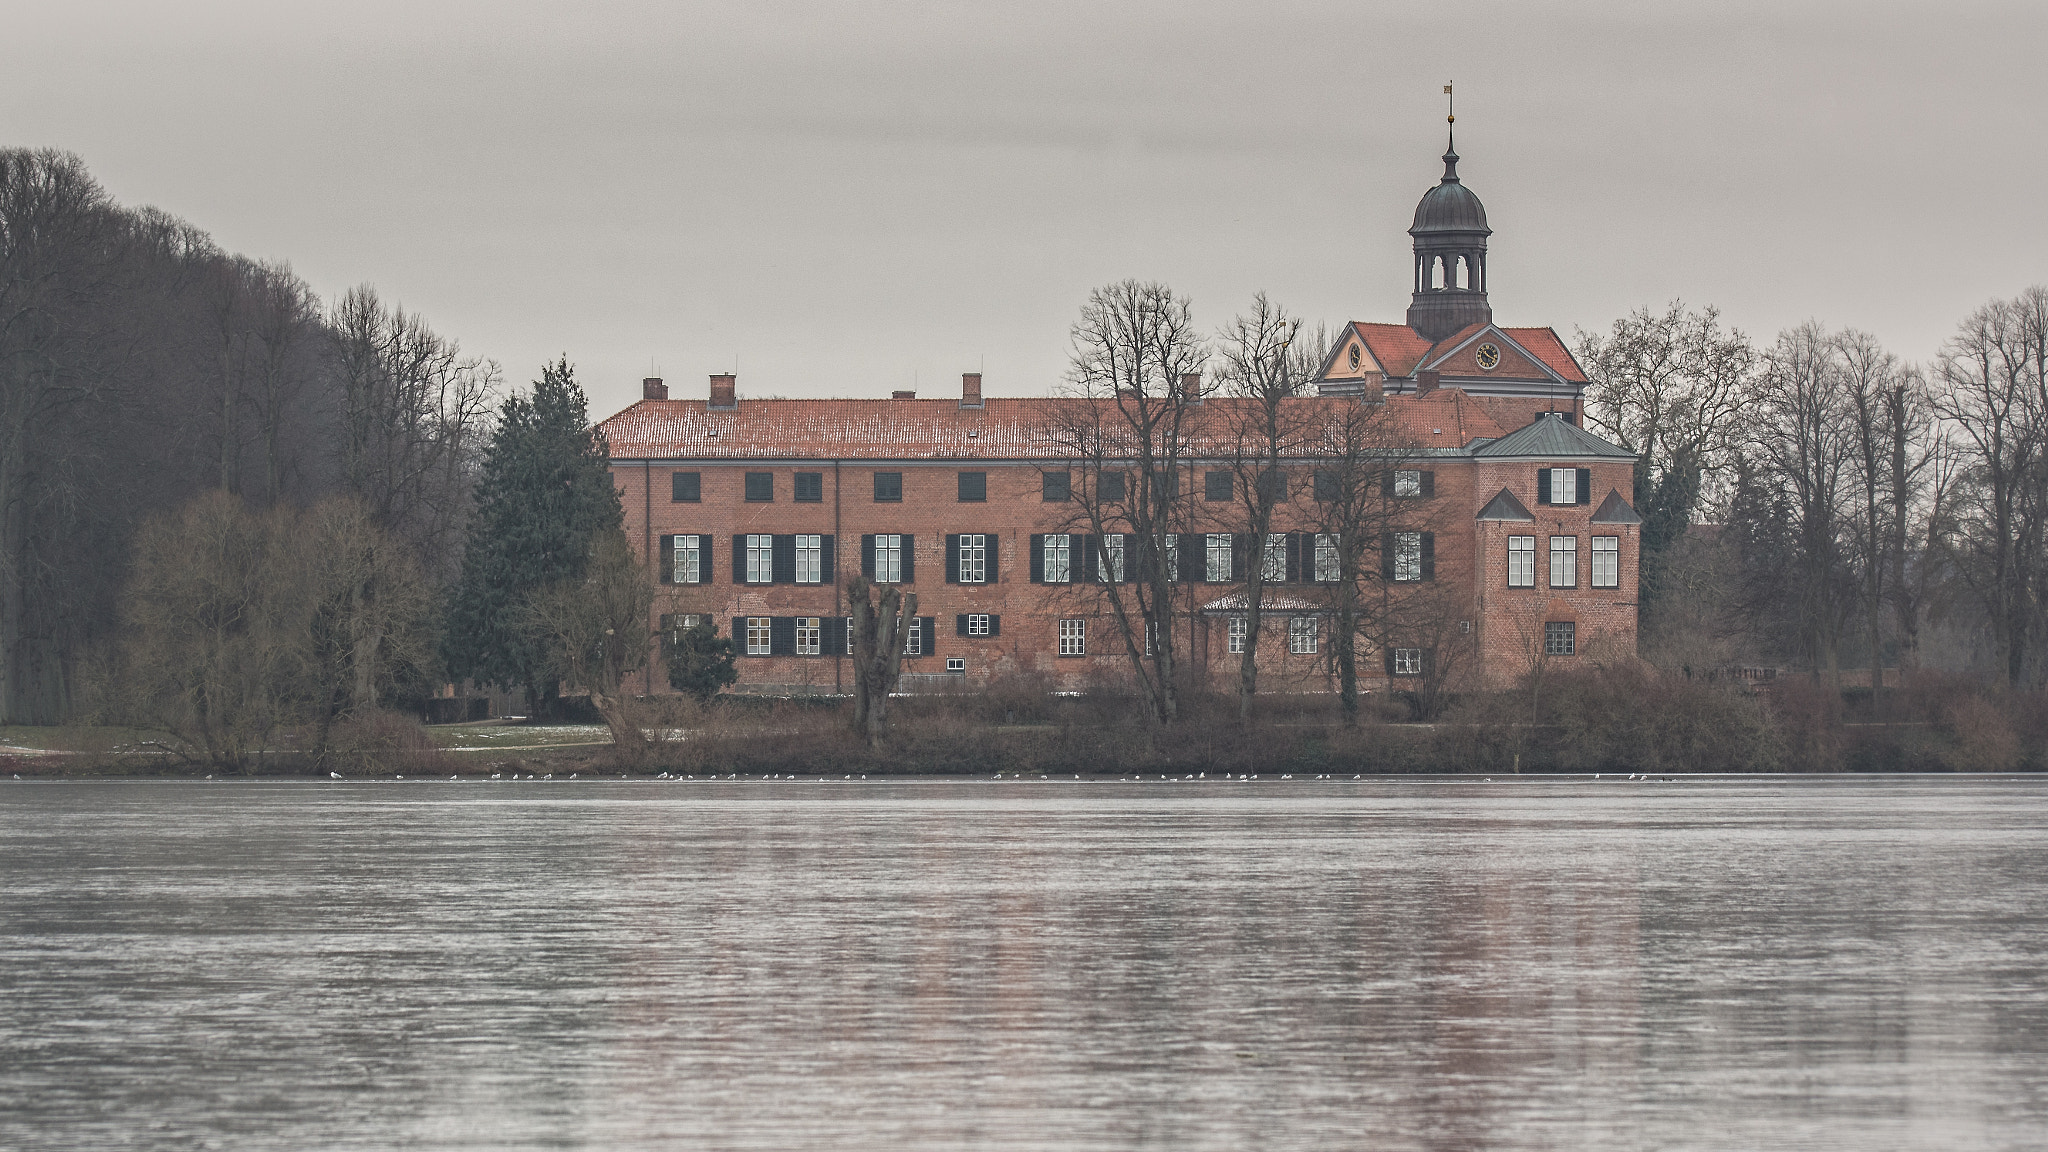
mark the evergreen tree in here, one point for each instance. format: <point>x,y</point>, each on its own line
<point>544,492</point>
<point>700,661</point>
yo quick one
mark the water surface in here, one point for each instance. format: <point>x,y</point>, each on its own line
<point>1397,964</point>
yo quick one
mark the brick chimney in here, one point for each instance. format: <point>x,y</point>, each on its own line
<point>1191,387</point>
<point>970,389</point>
<point>1425,382</point>
<point>1373,390</point>
<point>653,389</point>
<point>725,392</point>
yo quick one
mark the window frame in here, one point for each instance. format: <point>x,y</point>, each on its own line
<point>893,572</point>
<point>1073,636</point>
<point>1212,542</point>
<point>978,623</point>
<point>1408,662</point>
<point>764,628</point>
<point>760,487</point>
<point>1560,637</point>
<point>814,480</point>
<point>1273,561</point>
<point>761,549</point>
<point>1055,486</point>
<point>981,561</point>
<point>696,559</point>
<point>1109,560</point>
<point>1327,545</point>
<point>1065,552</point>
<point>810,558</point>
<point>972,488</point>
<point>1401,483</point>
<point>1302,638</point>
<point>1569,555</point>
<point>810,635</point>
<point>888,487</point>
<point>1406,561</point>
<point>1524,549</point>
<point>1609,558</point>
<point>1235,633</point>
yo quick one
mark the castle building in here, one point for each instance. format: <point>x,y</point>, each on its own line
<point>1502,514</point>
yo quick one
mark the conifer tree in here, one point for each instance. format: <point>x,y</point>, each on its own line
<point>543,494</point>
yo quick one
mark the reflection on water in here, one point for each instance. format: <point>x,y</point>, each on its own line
<point>1391,964</point>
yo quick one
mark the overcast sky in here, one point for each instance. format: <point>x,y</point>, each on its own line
<point>848,197</point>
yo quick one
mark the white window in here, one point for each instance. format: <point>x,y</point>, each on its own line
<point>1058,558</point>
<point>1326,558</point>
<point>956,664</point>
<point>760,559</point>
<point>888,559</point>
<point>1521,561</point>
<point>757,635</point>
<point>810,635</point>
<point>1407,557</point>
<point>1151,637</point>
<point>974,558</point>
<point>1237,629</point>
<point>1407,661</point>
<point>1301,635</point>
<point>1273,566</point>
<point>849,635</point>
<point>1564,561</point>
<point>1407,483</point>
<point>689,561</point>
<point>1073,637</point>
<point>977,624</point>
<point>913,637</point>
<point>1112,558</point>
<point>1564,485</point>
<point>1219,557</point>
<point>810,559</point>
<point>1172,559</point>
<point>1606,561</point>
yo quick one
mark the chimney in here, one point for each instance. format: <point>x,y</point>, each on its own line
<point>653,389</point>
<point>970,389</point>
<point>725,392</point>
<point>1425,382</point>
<point>903,394</point>
<point>1191,387</point>
<point>1373,390</point>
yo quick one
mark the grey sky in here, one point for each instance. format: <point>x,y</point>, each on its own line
<point>848,196</point>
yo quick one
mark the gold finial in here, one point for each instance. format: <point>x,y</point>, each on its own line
<point>1453,117</point>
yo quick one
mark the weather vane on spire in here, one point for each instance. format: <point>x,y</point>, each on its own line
<point>1453,101</point>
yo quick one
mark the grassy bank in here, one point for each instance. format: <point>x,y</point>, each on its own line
<point>1629,719</point>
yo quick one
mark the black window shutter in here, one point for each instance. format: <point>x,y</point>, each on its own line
<point>867,556</point>
<point>1429,555</point>
<point>1428,663</point>
<point>989,540</point>
<point>828,560</point>
<point>960,625</point>
<point>739,559</point>
<point>1387,558</point>
<point>1038,557</point>
<point>995,625</point>
<point>782,557</point>
<point>1297,543</point>
<point>1389,652</point>
<point>909,544</point>
<point>925,632</point>
<point>952,558</point>
<point>668,559</point>
<point>833,642</point>
<point>703,558</point>
<point>782,636</point>
<point>739,633</point>
<point>1091,559</point>
<point>1194,557</point>
<point>1387,484</point>
<point>1241,556</point>
<point>1429,483</point>
<point>1585,485</point>
<point>1543,485</point>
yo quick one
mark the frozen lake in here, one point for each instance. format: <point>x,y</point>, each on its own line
<point>1724,963</point>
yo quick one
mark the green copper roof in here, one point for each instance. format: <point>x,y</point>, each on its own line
<point>1552,437</point>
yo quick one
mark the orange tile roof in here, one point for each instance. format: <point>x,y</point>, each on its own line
<point>1005,429</point>
<point>1543,343</point>
<point>1397,347</point>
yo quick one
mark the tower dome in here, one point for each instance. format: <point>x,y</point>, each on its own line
<point>1450,256</point>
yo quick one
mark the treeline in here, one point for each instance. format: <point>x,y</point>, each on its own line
<point>1817,502</point>
<point>142,366</point>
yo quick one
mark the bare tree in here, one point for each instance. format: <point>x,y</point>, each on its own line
<point>370,623</point>
<point>1804,435</point>
<point>879,633</point>
<point>1358,448</point>
<point>414,416</point>
<point>596,629</point>
<point>1265,366</point>
<point>1126,424</point>
<point>1988,396</point>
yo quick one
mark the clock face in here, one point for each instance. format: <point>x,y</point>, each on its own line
<point>1354,357</point>
<point>1489,357</point>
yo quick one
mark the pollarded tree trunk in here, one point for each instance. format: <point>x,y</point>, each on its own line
<point>878,636</point>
